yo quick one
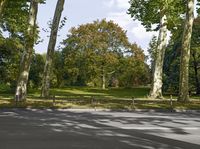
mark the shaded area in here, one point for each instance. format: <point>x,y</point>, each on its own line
<point>48,129</point>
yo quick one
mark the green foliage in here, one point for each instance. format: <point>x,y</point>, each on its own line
<point>36,71</point>
<point>15,17</point>
<point>152,51</point>
<point>10,51</point>
<point>150,11</point>
<point>172,61</point>
<point>101,48</point>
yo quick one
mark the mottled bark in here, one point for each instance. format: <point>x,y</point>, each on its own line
<point>185,53</point>
<point>2,3</point>
<point>21,89</point>
<point>156,88</point>
<point>103,78</point>
<point>51,49</point>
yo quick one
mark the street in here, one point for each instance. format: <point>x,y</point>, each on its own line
<point>89,129</point>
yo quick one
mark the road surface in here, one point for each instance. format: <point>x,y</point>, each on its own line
<point>88,129</point>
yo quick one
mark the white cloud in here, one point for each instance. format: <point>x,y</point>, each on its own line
<point>120,4</point>
<point>124,4</point>
<point>135,31</point>
<point>140,32</point>
<point>109,3</point>
<point>120,18</point>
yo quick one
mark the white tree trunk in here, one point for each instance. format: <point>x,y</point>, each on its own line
<point>156,88</point>
<point>103,78</point>
<point>21,89</point>
<point>2,3</point>
<point>51,48</point>
<point>185,53</point>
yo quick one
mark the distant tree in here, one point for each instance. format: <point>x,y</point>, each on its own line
<point>36,71</point>
<point>58,71</point>
<point>133,71</point>
<point>195,54</point>
<point>99,54</point>
<point>152,53</point>
<point>51,48</point>
<point>94,49</point>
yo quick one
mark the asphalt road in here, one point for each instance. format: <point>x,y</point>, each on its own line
<point>75,129</point>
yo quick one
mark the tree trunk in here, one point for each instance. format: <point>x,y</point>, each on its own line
<point>2,3</point>
<point>156,88</point>
<point>21,89</point>
<point>103,78</point>
<point>195,65</point>
<point>51,49</point>
<point>185,53</point>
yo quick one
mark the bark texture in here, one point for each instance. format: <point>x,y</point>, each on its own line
<point>51,49</point>
<point>103,78</point>
<point>2,3</point>
<point>21,89</point>
<point>156,88</point>
<point>185,53</point>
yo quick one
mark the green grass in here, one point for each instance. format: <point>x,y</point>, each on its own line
<point>86,97</point>
<point>111,93</point>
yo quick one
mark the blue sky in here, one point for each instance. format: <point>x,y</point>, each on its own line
<point>84,11</point>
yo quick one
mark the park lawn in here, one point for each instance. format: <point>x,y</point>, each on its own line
<point>87,97</point>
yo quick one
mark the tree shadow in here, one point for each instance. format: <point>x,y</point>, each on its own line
<point>94,130</point>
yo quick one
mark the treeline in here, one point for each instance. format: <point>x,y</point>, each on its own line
<point>99,53</point>
<point>95,54</point>
<point>176,17</point>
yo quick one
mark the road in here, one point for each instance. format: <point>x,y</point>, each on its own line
<point>88,129</point>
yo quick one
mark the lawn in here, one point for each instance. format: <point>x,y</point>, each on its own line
<point>87,97</point>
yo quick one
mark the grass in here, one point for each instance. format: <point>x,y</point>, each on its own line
<point>86,97</point>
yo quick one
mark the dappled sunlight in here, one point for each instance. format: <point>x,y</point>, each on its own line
<point>104,129</point>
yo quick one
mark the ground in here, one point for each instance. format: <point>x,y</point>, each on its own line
<point>89,129</point>
<point>89,97</point>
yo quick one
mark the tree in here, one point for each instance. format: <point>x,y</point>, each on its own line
<point>9,60</point>
<point>152,53</point>
<point>185,53</point>
<point>195,54</point>
<point>14,18</point>
<point>51,49</point>
<point>172,60</point>
<point>58,71</point>
<point>2,3</point>
<point>164,13</point>
<point>133,70</point>
<point>21,89</point>
<point>92,52</point>
<point>36,71</point>
<point>14,22</point>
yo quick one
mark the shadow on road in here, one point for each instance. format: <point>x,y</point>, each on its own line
<point>53,129</point>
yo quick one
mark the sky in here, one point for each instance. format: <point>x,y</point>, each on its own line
<point>80,12</point>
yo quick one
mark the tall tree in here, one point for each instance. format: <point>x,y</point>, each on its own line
<point>21,89</point>
<point>164,13</point>
<point>2,3</point>
<point>185,53</point>
<point>156,88</point>
<point>51,48</point>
